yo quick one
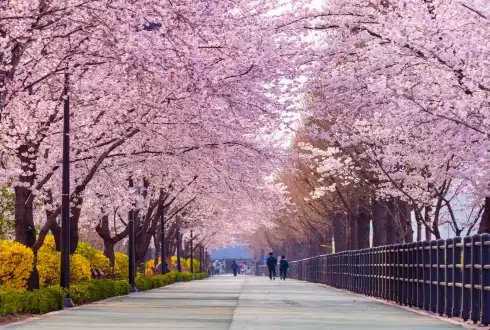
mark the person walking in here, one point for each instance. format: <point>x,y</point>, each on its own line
<point>234,267</point>
<point>283,267</point>
<point>271,264</point>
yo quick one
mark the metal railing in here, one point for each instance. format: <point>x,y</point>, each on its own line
<point>448,277</point>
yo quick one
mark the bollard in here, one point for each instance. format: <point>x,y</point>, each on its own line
<point>485,284</point>
<point>475,271</point>
<point>441,278</point>
<point>457,276</point>
<point>449,288</point>
<point>466,285</point>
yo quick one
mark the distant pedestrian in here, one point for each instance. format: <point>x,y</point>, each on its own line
<point>283,267</point>
<point>234,267</point>
<point>271,264</point>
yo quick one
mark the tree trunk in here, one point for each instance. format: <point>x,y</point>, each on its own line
<point>380,219</point>
<point>419,231</point>
<point>485,218</point>
<point>363,229</point>
<point>353,233</point>
<point>25,231</point>
<point>109,252</point>
<point>339,232</point>
<point>75,211</point>
<point>406,221</point>
<point>428,224</point>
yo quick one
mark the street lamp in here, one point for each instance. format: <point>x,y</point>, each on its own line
<point>65,199</point>
<point>192,255</point>
<point>177,242</point>
<point>163,263</point>
<point>131,246</point>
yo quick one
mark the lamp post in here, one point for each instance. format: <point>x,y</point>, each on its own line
<point>192,254</point>
<point>131,248</point>
<point>200,259</point>
<point>65,199</point>
<point>163,263</point>
<point>177,242</point>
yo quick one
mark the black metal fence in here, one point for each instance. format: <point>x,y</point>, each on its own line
<point>448,277</point>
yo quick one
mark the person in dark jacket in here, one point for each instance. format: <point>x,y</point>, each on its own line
<point>271,264</point>
<point>283,267</point>
<point>234,267</point>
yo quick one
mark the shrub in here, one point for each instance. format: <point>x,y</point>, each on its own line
<point>49,265</point>
<point>94,290</point>
<point>15,264</point>
<point>99,261</point>
<point>79,268</point>
<point>85,250</point>
<point>36,302</point>
<point>121,265</point>
<point>51,298</point>
<point>49,243</point>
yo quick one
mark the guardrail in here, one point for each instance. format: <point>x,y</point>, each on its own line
<point>448,277</point>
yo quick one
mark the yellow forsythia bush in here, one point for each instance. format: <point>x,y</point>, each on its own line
<point>121,265</point>
<point>85,250</point>
<point>100,261</point>
<point>49,242</point>
<point>49,266</point>
<point>79,268</point>
<point>16,262</point>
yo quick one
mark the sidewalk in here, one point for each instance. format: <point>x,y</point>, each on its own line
<point>241,303</point>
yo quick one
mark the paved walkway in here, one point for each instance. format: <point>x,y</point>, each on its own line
<point>241,303</point>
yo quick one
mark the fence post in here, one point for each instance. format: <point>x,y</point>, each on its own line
<point>475,278</point>
<point>466,267</point>
<point>398,273</point>
<point>485,299</point>
<point>433,276</point>
<point>404,274</point>
<point>412,275</point>
<point>392,271</point>
<point>449,262</point>
<point>384,271</point>
<point>457,276</point>
<point>441,278</point>
<point>419,247</point>
<point>426,272</point>
<point>371,271</point>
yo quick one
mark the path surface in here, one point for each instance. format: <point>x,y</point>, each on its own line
<point>241,303</point>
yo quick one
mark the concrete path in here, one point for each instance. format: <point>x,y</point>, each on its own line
<point>241,303</point>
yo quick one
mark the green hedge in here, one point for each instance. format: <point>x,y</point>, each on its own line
<point>157,281</point>
<point>50,299</point>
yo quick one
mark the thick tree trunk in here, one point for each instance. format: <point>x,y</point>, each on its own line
<point>109,252</point>
<point>485,218</point>
<point>25,232</point>
<point>419,231</point>
<point>339,232</point>
<point>380,219</point>
<point>406,221</point>
<point>353,233</point>
<point>75,210</point>
<point>428,224</point>
<point>363,221</point>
